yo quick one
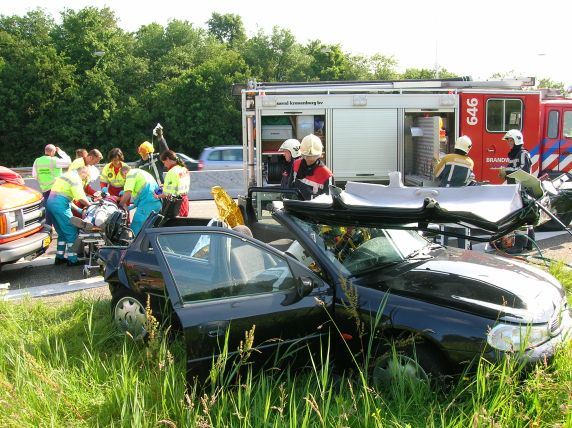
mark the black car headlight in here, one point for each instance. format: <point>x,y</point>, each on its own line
<point>510,337</point>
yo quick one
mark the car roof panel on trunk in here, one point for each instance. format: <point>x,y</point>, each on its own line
<point>496,210</point>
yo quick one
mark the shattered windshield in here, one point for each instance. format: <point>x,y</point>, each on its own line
<point>357,250</point>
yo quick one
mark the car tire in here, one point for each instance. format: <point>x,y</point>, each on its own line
<point>413,364</point>
<point>129,313</point>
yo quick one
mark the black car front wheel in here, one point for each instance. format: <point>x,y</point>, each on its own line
<point>129,314</point>
<point>411,365</point>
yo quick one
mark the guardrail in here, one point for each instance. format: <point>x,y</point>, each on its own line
<point>201,181</point>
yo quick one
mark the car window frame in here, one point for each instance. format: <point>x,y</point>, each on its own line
<point>170,283</point>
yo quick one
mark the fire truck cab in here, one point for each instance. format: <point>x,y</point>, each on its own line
<point>372,128</point>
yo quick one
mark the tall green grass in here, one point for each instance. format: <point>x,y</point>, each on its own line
<point>66,366</point>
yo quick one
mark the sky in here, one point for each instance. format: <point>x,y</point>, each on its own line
<point>474,39</point>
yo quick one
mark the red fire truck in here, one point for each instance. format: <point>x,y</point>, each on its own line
<point>372,128</point>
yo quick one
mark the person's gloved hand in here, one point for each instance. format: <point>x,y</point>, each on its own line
<point>502,173</point>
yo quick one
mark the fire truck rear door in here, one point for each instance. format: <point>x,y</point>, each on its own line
<point>364,143</point>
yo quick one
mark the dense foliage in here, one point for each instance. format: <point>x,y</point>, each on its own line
<point>84,82</point>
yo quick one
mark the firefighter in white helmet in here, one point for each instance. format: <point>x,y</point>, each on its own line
<point>291,151</point>
<point>456,169</point>
<point>311,177</point>
<point>518,156</point>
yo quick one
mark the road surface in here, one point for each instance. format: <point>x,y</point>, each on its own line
<point>41,272</point>
<point>41,277</point>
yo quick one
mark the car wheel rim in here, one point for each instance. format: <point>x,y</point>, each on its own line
<point>392,369</point>
<point>131,317</point>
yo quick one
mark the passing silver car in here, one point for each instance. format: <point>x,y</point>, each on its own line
<point>221,157</point>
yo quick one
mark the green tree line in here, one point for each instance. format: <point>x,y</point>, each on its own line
<point>86,83</point>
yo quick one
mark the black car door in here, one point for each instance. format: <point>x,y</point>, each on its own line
<point>221,282</point>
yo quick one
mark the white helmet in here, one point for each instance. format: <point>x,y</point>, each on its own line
<point>516,136</point>
<point>291,145</point>
<point>311,146</point>
<point>464,144</point>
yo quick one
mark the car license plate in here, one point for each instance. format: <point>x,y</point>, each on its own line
<point>47,241</point>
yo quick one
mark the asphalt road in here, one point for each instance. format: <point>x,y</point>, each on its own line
<point>42,271</point>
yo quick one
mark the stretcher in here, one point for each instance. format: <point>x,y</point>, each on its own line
<point>91,234</point>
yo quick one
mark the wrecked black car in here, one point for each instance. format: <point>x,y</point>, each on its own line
<point>313,267</point>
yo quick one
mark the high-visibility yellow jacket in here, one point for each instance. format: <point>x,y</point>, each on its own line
<point>46,171</point>
<point>177,181</point>
<point>69,185</point>
<point>76,164</point>
<point>136,179</point>
<point>112,177</point>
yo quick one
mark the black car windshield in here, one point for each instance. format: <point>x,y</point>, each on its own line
<point>357,250</point>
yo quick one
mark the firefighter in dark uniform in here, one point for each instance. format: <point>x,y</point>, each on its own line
<point>518,158</point>
<point>310,176</point>
<point>291,151</point>
<point>456,169</point>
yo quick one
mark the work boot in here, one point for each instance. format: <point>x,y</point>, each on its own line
<point>74,263</point>
<point>60,261</point>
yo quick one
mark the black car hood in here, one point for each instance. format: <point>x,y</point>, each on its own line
<point>478,283</point>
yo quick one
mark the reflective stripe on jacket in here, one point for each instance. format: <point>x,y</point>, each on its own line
<point>454,170</point>
<point>177,181</point>
<point>77,164</point>
<point>46,171</point>
<point>519,158</point>
<point>69,185</point>
<point>136,180</point>
<point>112,177</point>
<point>312,180</point>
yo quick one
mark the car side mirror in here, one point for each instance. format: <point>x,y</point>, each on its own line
<point>305,286</point>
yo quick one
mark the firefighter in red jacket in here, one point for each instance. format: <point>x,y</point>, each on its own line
<point>310,176</point>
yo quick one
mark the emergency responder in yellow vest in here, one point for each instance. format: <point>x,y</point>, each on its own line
<point>93,157</point>
<point>177,180</point>
<point>67,188</point>
<point>47,168</point>
<point>140,188</point>
<point>111,177</point>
